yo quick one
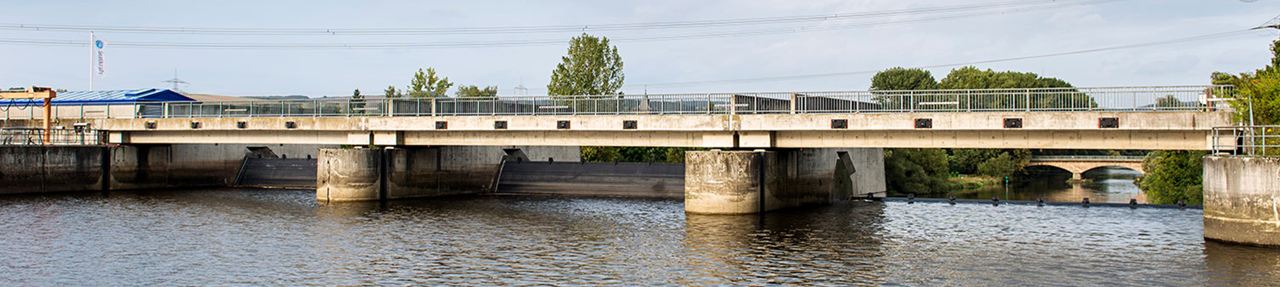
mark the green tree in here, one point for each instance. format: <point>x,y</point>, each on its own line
<point>356,94</point>
<point>888,85</point>
<point>1168,102</point>
<point>1173,176</point>
<point>391,92</point>
<point>1006,164</point>
<point>428,85</point>
<point>973,78</point>
<point>898,78</point>
<point>920,171</point>
<point>473,91</point>
<point>601,153</point>
<point>592,67</point>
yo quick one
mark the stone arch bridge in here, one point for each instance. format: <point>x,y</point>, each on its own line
<point>1079,164</point>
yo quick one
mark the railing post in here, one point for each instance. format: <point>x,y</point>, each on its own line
<point>433,106</point>
<point>1027,99</point>
<point>794,97</point>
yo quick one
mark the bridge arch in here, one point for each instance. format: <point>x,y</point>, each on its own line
<point>1078,165</point>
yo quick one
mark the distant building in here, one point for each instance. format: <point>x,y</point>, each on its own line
<point>115,97</point>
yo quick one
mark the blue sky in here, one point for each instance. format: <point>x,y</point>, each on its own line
<point>650,65</point>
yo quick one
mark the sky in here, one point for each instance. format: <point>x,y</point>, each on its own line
<point>838,52</point>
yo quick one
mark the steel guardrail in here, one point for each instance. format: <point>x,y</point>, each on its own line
<point>1258,140</point>
<point>35,136</point>
<point>1127,99</point>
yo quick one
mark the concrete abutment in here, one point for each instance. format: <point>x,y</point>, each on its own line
<point>747,182</point>
<point>1242,200</point>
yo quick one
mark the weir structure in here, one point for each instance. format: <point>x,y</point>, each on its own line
<point>768,150</point>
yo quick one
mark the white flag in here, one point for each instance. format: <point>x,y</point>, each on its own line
<point>99,58</point>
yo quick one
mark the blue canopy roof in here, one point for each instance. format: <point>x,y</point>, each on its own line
<point>118,97</point>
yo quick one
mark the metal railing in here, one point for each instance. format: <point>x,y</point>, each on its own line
<point>1164,98</point>
<point>1261,140</point>
<point>1085,157</point>
<point>34,136</point>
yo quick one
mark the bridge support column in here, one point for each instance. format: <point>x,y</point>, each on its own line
<point>747,182</point>
<point>1241,199</point>
<point>1077,176</point>
<point>350,175</point>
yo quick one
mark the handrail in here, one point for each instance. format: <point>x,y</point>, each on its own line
<point>1129,99</point>
<point>36,136</point>
<point>1257,140</point>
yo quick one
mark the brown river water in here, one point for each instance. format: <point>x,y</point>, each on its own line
<point>231,236</point>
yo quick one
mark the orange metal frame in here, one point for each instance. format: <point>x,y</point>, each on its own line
<point>37,93</point>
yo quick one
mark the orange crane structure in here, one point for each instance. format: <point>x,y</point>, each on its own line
<point>37,93</point>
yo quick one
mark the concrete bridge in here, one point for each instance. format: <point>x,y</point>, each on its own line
<point>1176,117</point>
<point>778,150</point>
<point>1079,164</point>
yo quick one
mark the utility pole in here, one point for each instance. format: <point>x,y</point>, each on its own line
<point>175,81</point>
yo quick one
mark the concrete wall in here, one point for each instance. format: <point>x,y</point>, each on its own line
<point>412,172</point>
<point>1242,199</point>
<point>744,182</point>
<point>659,180</point>
<point>37,169</point>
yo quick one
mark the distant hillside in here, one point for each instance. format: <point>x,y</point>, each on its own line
<point>277,98</point>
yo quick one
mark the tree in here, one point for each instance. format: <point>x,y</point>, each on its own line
<point>473,91</point>
<point>972,78</point>
<point>915,171</point>
<point>356,94</point>
<point>1006,164</point>
<point>592,67</point>
<point>1173,176</point>
<point>898,78</point>
<point>887,84</point>
<point>428,85</point>
<point>391,92</point>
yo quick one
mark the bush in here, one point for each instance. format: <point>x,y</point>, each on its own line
<point>916,171</point>
<point>1173,176</point>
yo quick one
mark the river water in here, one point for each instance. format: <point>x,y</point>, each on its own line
<point>235,236</point>
<point>1114,185</point>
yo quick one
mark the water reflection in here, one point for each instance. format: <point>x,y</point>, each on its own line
<point>283,237</point>
<point>830,245</point>
<point>1114,185</point>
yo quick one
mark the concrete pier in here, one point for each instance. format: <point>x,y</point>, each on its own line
<point>746,182</point>
<point>349,175</point>
<point>1242,199</point>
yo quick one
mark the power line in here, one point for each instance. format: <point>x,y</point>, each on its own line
<point>539,29</point>
<point>824,75</point>
<point>519,43</point>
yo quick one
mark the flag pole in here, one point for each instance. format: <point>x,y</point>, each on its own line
<point>91,59</point>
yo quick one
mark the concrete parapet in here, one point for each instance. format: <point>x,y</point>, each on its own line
<point>349,175</point>
<point>1242,199</point>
